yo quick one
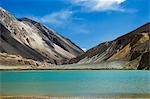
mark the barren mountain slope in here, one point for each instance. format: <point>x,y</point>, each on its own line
<point>132,48</point>
<point>32,40</point>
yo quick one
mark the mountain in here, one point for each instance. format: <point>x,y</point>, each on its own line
<point>131,49</point>
<point>27,42</point>
<point>24,41</point>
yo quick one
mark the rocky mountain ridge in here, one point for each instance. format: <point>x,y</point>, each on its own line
<point>30,43</point>
<point>32,40</point>
<point>132,48</point>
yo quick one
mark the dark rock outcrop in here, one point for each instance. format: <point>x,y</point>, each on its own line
<point>145,61</point>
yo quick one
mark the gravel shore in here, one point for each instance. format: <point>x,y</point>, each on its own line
<point>119,96</point>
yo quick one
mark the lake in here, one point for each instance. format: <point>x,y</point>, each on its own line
<point>74,83</point>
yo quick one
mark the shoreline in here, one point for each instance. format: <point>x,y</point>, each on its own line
<point>62,69</point>
<point>112,96</point>
<point>87,66</point>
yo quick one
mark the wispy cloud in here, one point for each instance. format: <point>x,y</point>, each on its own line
<point>99,5</point>
<point>54,18</point>
<point>63,19</point>
<point>57,17</point>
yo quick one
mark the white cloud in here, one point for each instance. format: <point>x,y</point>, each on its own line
<point>57,17</point>
<point>99,5</point>
<point>64,19</point>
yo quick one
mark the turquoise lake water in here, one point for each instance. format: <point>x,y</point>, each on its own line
<point>74,83</point>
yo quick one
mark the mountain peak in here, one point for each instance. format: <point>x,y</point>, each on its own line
<point>32,40</point>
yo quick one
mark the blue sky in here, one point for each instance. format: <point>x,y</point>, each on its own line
<point>86,22</point>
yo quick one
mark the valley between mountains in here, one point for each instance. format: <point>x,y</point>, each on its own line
<point>27,44</point>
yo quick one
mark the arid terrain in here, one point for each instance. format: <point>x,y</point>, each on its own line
<point>131,49</point>
<point>27,44</point>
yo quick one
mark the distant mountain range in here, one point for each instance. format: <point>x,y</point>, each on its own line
<point>27,42</point>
